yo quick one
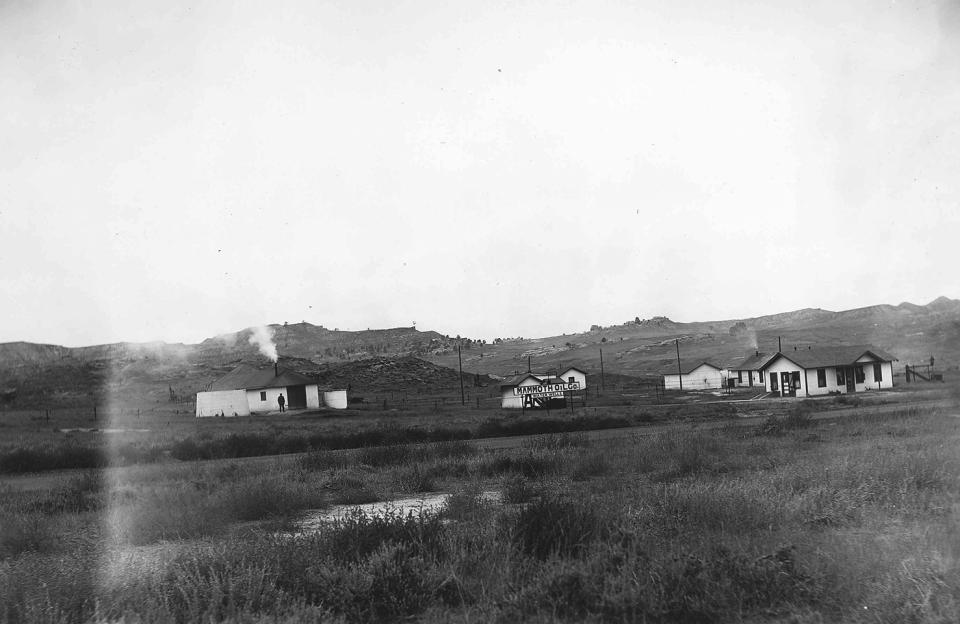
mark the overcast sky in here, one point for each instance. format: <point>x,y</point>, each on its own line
<point>172,171</point>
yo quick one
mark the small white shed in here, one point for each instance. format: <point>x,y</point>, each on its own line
<point>699,376</point>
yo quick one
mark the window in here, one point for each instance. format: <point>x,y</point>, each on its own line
<point>858,374</point>
<point>571,380</point>
<point>841,378</point>
<point>263,396</point>
<point>739,377</point>
<point>878,372</point>
<point>821,378</point>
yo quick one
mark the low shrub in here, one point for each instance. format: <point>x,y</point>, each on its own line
<point>23,532</point>
<point>517,489</point>
<point>552,525</point>
<point>358,535</point>
<point>53,457</point>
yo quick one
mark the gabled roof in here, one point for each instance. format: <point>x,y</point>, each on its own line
<point>688,367</point>
<point>754,362</point>
<point>822,357</point>
<point>247,377</point>
<point>570,368</point>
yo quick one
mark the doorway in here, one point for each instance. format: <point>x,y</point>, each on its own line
<point>851,380</point>
<point>297,397</point>
<point>786,384</point>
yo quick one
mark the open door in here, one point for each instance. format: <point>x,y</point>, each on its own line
<point>296,397</point>
<point>851,380</point>
<point>786,384</point>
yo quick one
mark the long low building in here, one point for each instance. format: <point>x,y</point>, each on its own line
<point>695,376</point>
<point>813,371</point>
<point>250,390</point>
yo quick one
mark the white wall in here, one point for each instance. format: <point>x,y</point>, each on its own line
<point>313,396</point>
<point>270,405</point>
<point>808,379</point>
<point>869,381</point>
<point>579,377</point>
<point>226,402</point>
<point>783,365</point>
<point>703,377</point>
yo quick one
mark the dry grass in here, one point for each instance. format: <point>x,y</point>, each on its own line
<point>845,521</point>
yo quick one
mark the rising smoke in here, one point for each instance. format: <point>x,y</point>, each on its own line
<point>262,337</point>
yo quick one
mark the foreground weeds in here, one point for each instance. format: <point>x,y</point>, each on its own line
<point>845,521</point>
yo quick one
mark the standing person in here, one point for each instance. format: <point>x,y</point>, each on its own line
<point>281,401</point>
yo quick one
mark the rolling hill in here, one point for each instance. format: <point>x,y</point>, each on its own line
<point>406,357</point>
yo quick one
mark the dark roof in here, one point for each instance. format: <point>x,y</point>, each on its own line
<point>822,357</point>
<point>516,379</point>
<point>688,367</point>
<point>246,377</point>
<point>754,362</point>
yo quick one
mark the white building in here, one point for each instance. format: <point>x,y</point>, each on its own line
<point>249,390</point>
<point>537,390</point>
<point>699,376</point>
<point>816,371</point>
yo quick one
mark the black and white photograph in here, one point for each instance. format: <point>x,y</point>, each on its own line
<point>360,311</point>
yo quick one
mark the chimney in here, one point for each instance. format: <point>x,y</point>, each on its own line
<point>758,352</point>
<point>276,372</point>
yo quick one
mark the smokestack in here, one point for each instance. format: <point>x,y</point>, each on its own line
<point>276,372</point>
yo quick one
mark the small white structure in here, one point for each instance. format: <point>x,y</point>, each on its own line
<point>250,390</point>
<point>537,390</point>
<point>816,371</point>
<point>699,376</point>
<point>335,399</point>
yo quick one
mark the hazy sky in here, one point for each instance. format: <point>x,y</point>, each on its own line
<point>171,171</point>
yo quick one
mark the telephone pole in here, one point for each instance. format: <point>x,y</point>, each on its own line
<point>463,401</point>
<point>679,370</point>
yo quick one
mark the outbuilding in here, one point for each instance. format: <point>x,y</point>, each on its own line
<point>814,371</point>
<point>695,376</point>
<point>251,390</point>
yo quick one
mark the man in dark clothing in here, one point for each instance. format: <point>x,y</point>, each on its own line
<point>281,401</point>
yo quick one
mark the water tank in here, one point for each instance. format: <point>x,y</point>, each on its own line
<point>335,399</point>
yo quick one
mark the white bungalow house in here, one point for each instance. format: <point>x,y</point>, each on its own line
<point>816,371</point>
<point>697,376</point>
<point>250,390</point>
<point>748,372</point>
<point>540,390</point>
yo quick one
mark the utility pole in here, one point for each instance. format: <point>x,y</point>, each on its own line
<point>602,387</point>
<point>779,347</point>
<point>528,364</point>
<point>463,400</point>
<point>679,370</point>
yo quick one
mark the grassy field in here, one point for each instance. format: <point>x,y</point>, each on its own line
<point>65,438</point>
<point>787,519</point>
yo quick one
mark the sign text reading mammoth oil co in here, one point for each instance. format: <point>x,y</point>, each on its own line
<point>546,390</point>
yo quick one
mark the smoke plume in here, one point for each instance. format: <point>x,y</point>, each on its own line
<point>262,337</point>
